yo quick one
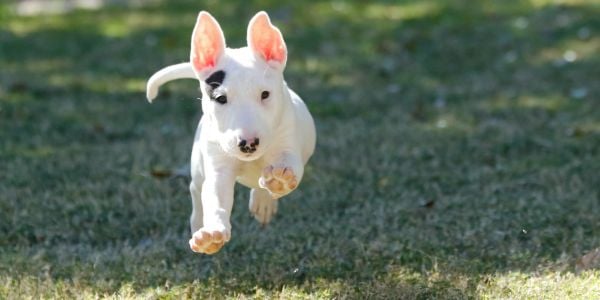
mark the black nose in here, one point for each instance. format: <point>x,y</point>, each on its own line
<point>244,147</point>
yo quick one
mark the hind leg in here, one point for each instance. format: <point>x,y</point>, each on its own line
<point>262,205</point>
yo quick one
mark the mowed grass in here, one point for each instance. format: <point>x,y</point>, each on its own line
<point>457,156</point>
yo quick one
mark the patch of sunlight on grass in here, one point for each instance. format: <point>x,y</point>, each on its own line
<point>548,103</point>
<point>31,287</point>
<point>553,285</point>
<point>118,84</point>
<point>448,122</point>
<point>41,65</point>
<point>340,80</point>
<point>37,152</point>
<point>569,51</point>
<point>405,11</point>
<point>62,80</point>
<point>132,22</point>
<point>135,85</point>
<point>24,26</point>
<point>290,292</point>
<point>312,64</point>
<point>592,127</point>
<point>542,3</point>
<point>395,12</point>
<point>94,84</point>
<point>34,287</point>
<point>115,28</point>
<point>119,24</point>
<point>36,7</point>
<point>551,103</point>
<point>57,7</point>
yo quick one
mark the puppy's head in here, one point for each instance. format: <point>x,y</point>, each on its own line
<point>243,89</point>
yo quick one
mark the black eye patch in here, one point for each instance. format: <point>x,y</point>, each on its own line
<point>215,79</point>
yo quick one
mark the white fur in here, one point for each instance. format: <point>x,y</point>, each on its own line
<point>282,122</point>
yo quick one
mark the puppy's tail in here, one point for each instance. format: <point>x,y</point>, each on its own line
<point>178,71</point>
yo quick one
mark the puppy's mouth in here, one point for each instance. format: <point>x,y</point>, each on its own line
<point>244,153</point>
<point>248,156</point>
<point>243,156</point>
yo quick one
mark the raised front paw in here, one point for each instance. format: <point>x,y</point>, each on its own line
<point>209,241</point>
<point>279,181</point>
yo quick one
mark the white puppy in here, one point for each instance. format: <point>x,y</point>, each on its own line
<point>254,129</point>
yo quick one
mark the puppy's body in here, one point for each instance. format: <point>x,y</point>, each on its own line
<point>254,130</point>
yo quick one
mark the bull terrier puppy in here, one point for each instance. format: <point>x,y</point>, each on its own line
<point>254,129</point>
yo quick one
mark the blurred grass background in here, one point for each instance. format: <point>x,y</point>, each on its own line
<point>458,152</point>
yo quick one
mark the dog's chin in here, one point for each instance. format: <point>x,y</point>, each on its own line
<point>247,156</point>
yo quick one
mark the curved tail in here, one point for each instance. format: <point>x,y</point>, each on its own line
<point>178,71</point>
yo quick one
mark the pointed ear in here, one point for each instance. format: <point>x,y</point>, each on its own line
<point>266,40</point>
<point>208,44</point>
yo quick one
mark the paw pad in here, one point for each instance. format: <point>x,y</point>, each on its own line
<point>208,241</point>
<point>279,181</point>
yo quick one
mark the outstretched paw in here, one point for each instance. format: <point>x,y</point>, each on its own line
<point>279,181</point>
<point>209,241</point>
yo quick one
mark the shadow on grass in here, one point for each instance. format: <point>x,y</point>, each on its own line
<point>456,141</point>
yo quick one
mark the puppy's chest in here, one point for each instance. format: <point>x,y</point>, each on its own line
<point>250,172</point>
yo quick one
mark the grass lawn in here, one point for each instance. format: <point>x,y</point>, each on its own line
<point>458,153</point>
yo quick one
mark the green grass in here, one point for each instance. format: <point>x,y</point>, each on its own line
<point>458,153</point>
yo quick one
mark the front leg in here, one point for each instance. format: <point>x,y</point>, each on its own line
<point>217,201</point>
<point>283,175</point>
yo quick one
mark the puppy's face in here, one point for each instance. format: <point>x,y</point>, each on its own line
<point>243,89</point>
<point>243,100</point>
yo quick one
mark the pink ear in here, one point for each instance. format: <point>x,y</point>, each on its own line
<point>208,42</point>
<point>266,40</point>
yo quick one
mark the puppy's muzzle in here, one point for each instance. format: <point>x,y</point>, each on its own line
<point>247,146</point>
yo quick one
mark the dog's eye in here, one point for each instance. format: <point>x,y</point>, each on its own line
<point>221,99</point>
<point>264,95</point>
